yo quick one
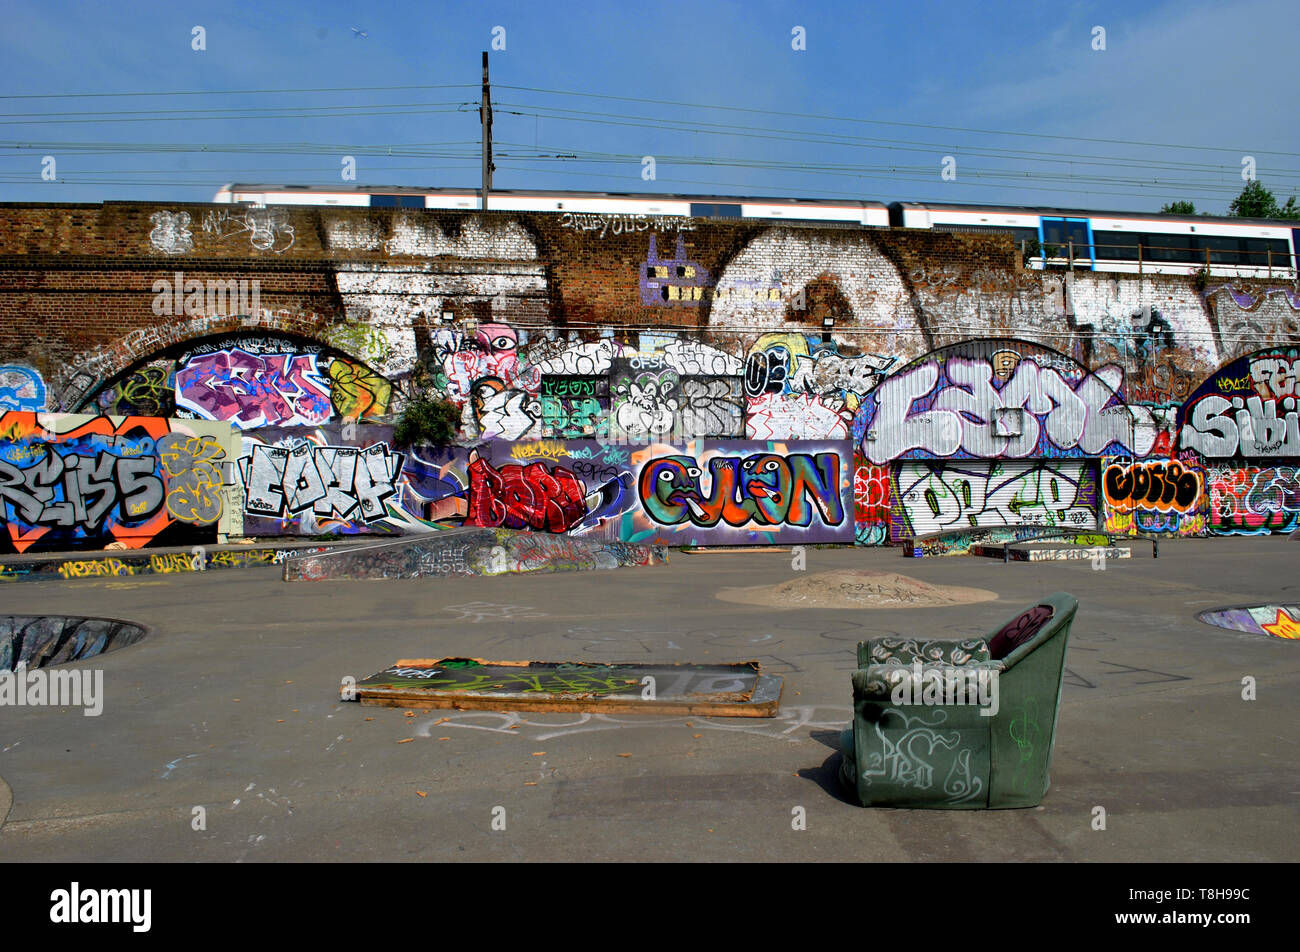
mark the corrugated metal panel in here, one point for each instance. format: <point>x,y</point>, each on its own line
<point>932,496</point>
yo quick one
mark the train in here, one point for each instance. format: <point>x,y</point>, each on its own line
<point>1121,242</point>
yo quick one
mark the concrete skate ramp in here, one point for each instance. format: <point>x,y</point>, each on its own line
<point>40,641</point>
<point>460,552</point>
<point>1281,620</point>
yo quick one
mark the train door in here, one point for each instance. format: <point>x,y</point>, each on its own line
<point>1069,236</point>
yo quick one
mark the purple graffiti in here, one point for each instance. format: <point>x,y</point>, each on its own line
<point>250,390</point>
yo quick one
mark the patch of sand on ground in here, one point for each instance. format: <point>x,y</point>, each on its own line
<point>856,589</point>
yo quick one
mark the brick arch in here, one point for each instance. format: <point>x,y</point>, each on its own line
<point>301,380</point>
<point>76,384</point>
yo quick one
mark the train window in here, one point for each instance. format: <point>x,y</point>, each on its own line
<point>1117,245</point>
<point>701,210</point>
<point>1222,250</point>
<point>1257,253</point>
<point>1068,235</point>
<point>1017,234</point>
<point>1158,247</point>
<point>396,201</point>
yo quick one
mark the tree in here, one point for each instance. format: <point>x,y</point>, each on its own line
<point>1255,201</point>
<point>426,420</point>
<point>1178,208</point>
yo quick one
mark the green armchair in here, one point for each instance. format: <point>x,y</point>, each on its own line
<point>963,725</point>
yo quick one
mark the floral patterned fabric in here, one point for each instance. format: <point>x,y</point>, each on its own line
<point>876,682</point>
<point>907,650</point>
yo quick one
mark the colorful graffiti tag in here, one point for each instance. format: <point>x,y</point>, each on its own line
<point>1249,407</point>
<point>73,481</point>
<point>942,496</point>
<point>1280,621</point>
<point>339,482</point>
<point>1253,500</point>
<point>998,399</point>
<point>250,381</point>
<point>871,509</point>
<point>1165,497</point>
<point>21,388</point>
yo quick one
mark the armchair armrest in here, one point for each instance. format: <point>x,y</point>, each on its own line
<point>893,650</point>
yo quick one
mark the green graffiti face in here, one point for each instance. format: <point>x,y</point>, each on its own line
<point>670,489</point>
<point>766,480</point>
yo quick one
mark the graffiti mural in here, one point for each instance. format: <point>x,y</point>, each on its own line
<point>651,400</point>
<point>942,496</point>
<point>799,387</point>
<point>1253,500</point>
<point>999,399</point>
<point>1249,407</point>
<point>695,492</point>
<point>574,407</point>
<point>21,388</point>
<point>1155,497</point>
<point>1280,621</point>
<point>333,479</point>
<point>73,481</point>
<point>251,390</point>
<point>717,493</point>
<point>871,508</point>
<point>148,390</point>
<point>675,280</point>
<point>341,482</point>
<point>250,381</point>
<point>356,391</point>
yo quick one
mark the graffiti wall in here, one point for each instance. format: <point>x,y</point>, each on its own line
<point>929,496</point>
<point>73,481</point>
<point>1155,497</point>
<point>991,399</point>
<point>699,492</point>
<point>21,388</point>
<point>1253,500</point>
<point>581,350</point>
<point>1248,408</point>
<point>250,381</point>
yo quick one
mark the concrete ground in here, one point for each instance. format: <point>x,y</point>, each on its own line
<point>231,704</point>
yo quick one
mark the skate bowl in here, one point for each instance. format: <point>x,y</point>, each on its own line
<point>475,551</point>
<point>1278,620</point>
<point>41,641</point>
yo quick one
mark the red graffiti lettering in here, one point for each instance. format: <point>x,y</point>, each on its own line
<point>524,497</point>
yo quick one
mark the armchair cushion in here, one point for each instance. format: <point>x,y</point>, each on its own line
<point>1019,630</point>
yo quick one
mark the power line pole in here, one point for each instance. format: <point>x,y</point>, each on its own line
<point>485,117</point>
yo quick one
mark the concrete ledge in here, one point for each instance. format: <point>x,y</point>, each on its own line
<point>61,566</point>
<point>474,551</point>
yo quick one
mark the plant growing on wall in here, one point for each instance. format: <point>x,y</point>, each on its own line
<point>426,420</point>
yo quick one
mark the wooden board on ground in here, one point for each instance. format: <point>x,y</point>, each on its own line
<point>729,690</point>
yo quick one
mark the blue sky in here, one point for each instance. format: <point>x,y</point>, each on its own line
<point>901,85</point>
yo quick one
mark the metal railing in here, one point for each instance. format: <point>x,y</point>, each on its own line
<point>1084,254</point>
